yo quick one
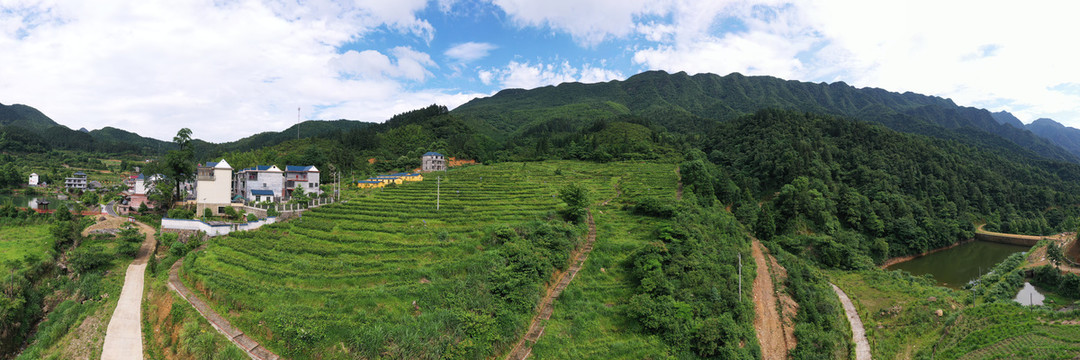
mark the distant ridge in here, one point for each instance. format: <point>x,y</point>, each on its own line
<point>684,103</point>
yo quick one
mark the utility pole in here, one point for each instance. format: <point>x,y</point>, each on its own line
<point>438,190</point>
<point>297,123</point>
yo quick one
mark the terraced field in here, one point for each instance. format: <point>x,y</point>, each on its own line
<point>385,274</point>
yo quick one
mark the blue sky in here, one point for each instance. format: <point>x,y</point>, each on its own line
<point>231,68</point>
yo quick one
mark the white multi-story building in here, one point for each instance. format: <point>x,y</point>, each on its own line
<point>213,188</point>
<point>33,179</point>
<point>305,177</point>
<point>260,183</point>
<point>76,181</point>
<point>432,161</point>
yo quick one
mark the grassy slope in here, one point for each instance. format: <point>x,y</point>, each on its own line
<point>75,329</point>
<point>349,273</point>
<point>18,242</point>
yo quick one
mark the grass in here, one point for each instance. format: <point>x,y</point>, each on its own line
<point>588,319</point>
<point>19,242</point>
<point>387,275</point>
<point>898,310</point>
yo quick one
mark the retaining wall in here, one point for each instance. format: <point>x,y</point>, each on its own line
<point>178,225</point>
<point>1024,240</point>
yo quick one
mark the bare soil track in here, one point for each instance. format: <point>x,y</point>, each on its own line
<point>775,336</point>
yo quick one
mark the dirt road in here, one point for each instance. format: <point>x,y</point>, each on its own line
<point>123,338</point>
<point>768,321</point>
<point>858,333</point>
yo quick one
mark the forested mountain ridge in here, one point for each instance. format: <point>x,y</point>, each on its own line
<point>684,103</point>
<point>25,129</point>
<point>25,117</point>
<point>1065,137</point>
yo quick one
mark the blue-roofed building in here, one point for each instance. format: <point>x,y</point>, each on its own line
<point>260,183</point>
<point>302,177</point>
<point>432,161</point>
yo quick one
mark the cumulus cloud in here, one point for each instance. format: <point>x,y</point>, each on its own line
<point>589,22</point>
<point>527,76</point>
<point>469,52</point>
<point>1005,56</point>
<point>224,69</point>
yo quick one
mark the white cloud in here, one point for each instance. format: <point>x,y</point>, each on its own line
<point>528,76</point>
<point>224,69</point>
<point>1001,55</point>
<point>589,22</point>
<point>408,64</point>
<point>469,52</point>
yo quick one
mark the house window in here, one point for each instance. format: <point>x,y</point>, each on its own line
<point>310,185</point>
<point>221,209</point>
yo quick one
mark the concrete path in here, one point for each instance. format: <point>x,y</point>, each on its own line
<point>858,333</point>
<point>123,338</point>
<point>253,349</point>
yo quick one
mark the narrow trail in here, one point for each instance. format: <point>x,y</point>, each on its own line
<point>123,337</point>
<point>536,326</point>
<point>774,336</point>
<point>858,333</point>
<point>678,184</point>
<point>253,349</point>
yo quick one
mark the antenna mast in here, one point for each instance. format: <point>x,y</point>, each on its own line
<point>297,123</point>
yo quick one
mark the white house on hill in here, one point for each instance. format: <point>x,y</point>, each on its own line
<point>213,189</point>
<point>260,183</point>
<point>432,161</point>
<point>304,177</point>
<point>33,179</point>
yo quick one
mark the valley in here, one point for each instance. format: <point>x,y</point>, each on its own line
<point>664,216</point>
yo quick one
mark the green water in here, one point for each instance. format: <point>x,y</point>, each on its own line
<point>30,201</point>
<point>955,267</point>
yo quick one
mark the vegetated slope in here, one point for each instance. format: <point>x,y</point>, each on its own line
<point>1006,117</point>
<point>389,275</point>
<point>683,103</point>
<point>868,193</point>
<point>1065,137</point>
<point>25,117</point>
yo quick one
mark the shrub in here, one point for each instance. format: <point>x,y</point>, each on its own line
<point>652,206</point>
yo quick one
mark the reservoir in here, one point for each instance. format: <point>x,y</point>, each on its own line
<point>956,266</point>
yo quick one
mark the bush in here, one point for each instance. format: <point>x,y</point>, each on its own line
<point>252,217</point>
<point>651,206</point>
<point>181,213</point>
<point>577,200</point>
<point>88,258</point>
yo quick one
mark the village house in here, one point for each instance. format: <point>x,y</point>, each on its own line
<point>369,184</point>
<point>213,188</point>
<point>33,179</point>
<point>302,177</point>
<point>432,161</point>
<point>76,181</point>
<point>260,183</point>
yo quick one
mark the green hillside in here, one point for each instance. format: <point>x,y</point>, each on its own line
<point>685,104</point>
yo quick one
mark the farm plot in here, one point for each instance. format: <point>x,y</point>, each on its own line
<point>387,275</point>
<point>589,320</point>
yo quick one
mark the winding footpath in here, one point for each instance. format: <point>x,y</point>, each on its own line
<point>858,333</point>
<point>123,338</point>
<point>536,326</point>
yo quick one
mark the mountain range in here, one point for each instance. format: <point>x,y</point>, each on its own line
<point>677,102</point>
